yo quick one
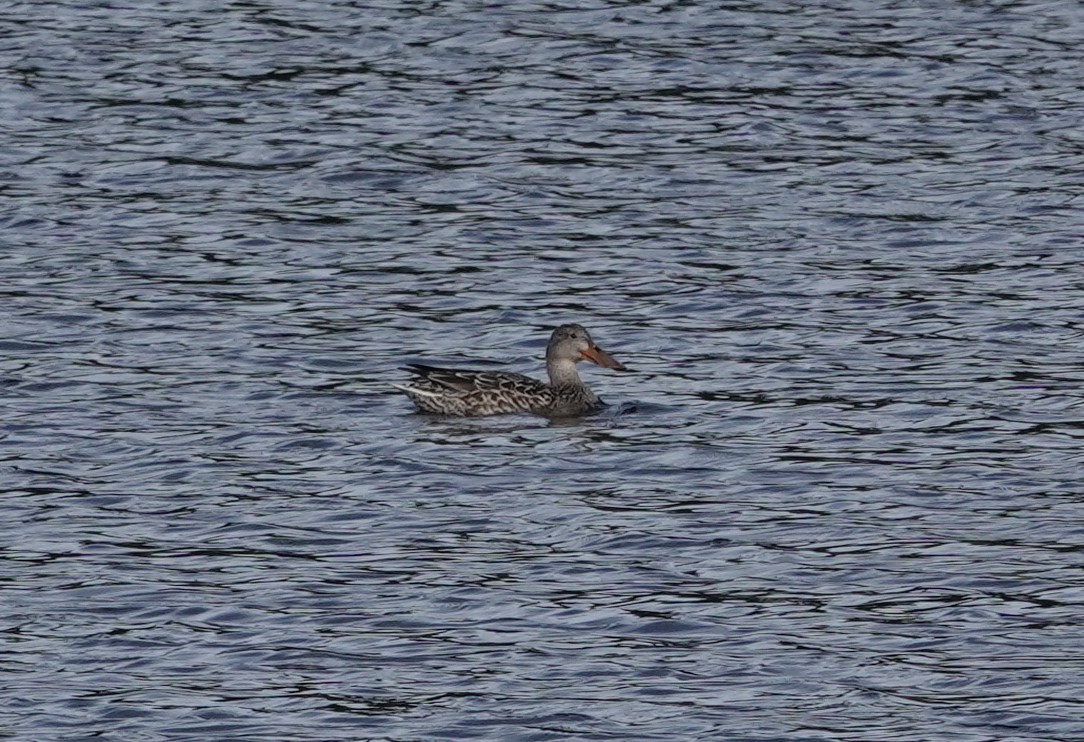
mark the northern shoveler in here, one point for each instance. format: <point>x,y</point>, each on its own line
<point>473,393</point>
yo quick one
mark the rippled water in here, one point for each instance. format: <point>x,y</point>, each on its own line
<point>839,497</point>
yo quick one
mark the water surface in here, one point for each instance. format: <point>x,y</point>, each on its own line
<point>839,497</point>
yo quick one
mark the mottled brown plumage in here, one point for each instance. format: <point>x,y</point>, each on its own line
<point>474,393</point>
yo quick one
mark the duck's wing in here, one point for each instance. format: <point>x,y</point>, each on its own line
<point>468,382</point>
<point>460,392</point>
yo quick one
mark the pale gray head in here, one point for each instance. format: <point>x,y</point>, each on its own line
<point>573,343</point>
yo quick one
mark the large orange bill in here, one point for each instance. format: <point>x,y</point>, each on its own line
<point>595,354</point>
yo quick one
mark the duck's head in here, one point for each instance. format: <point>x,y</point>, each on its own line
<point>574,343</point>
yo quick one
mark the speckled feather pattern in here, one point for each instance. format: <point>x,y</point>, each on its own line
<point>477,393</point>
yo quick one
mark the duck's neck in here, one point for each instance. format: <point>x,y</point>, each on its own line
<point>563,372</point>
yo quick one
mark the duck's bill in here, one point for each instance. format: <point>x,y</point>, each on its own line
<point>597,355</point>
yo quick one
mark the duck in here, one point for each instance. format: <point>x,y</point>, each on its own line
<point>446,391</point>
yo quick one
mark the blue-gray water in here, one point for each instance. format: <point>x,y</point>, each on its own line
<point>840,497</point>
